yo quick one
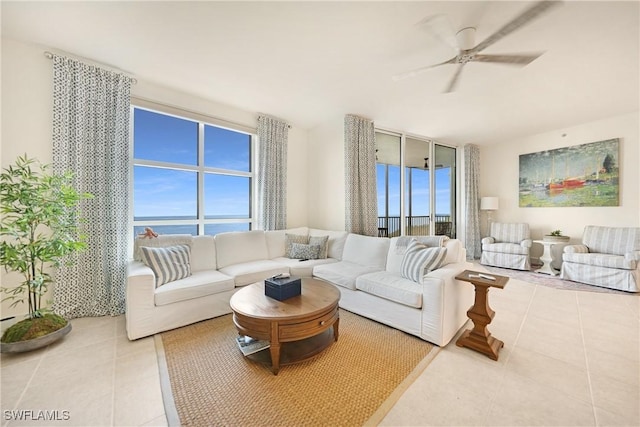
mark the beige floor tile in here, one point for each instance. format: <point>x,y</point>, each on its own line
<point>523,402</point>
<point>14,379</point>
<point>78,361</point>
<point>550,372</point>
<point>158,422</point>
<point>549,338</point>
<point>124,347</point>
<point>617,315</point>
<point>628,348</point>
<point>606,418</point>
<point>138,404</point>
<point>602,363</point>
<point>84,405</point>
<point>616,397</point>
<point>135,368</point>
<point>85,336</point>
<point>7,359</point>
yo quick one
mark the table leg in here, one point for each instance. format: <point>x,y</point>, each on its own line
<point>274,348</point>
<point>479,338</point>
<point>335,329</point>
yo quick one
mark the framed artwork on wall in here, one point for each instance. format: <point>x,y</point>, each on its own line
<point>579,175</point>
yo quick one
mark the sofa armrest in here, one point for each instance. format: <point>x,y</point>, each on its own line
<point>577,249</point>
<point>488,240</point>
<point>632,256</point>
<point>526,243</point>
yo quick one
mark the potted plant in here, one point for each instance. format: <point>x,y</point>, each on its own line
<point>38,228</point>
<point>555,236</point>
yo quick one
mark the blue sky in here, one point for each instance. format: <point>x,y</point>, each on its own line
<point>166,192</point>
<point>161,192</point>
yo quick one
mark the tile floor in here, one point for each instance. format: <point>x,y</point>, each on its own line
<point>570,358</point>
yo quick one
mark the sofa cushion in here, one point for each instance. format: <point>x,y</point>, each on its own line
<point>238,247</point>
<point>337,239</point>
<point>254,271</point>
<point>203,253</point>
<point>420,259</point>
<point>601,260</point>
<point>168,264</point>
<point>300,268</point>
<point>162,241</point>
<point>366,251</point>
<point>197,285</point>
<point>275,240</point>
<point>611,240</point>
<point>391,287</point>
<point>342,273</point>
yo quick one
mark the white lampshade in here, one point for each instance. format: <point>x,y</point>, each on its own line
<point>489,204</point>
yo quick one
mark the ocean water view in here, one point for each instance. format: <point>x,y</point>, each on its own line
<point>211,229</point>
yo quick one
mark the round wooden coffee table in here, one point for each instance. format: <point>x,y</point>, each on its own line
<point>297,328</point>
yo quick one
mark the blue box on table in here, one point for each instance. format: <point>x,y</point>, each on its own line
<point>282,288</point>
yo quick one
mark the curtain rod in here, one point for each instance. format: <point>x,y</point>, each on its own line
<point>49,55</point>
<point>266,115</point>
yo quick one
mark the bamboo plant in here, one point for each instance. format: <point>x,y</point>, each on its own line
<point>38,229</point>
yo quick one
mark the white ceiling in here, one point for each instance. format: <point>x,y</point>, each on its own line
<point>312,62</point>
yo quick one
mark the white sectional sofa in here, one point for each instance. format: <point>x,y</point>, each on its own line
<point>366,270</point>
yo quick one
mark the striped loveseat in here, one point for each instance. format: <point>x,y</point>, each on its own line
<point>608,257</point>
<point>507,246</point>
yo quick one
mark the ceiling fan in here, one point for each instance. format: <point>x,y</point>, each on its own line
<point>463,41</point>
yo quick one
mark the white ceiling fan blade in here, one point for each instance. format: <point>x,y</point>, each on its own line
<point>519,21</point>
<point>454,81</point>
<point>440,28</point>
<point>421,70</point>
<point>511,59</point>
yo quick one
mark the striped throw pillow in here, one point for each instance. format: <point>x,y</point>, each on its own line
<point>169,263</point>
<point>419,259</point>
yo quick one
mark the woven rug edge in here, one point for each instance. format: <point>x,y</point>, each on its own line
<point>393,398</point>
<point>170,410</point>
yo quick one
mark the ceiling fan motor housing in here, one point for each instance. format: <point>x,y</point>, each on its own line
<point>466,38</point>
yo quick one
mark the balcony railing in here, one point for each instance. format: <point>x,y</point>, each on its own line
<point>389,226</point>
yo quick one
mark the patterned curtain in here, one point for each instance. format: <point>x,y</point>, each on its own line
<point>273,135</point>
<point>361,203</point>
<point>91,139</point>
<point>472,201</point>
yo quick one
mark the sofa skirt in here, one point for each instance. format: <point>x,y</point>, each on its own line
<point>612,278</point>
<point>498,259</point>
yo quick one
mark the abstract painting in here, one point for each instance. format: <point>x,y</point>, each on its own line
<point>580,175</point>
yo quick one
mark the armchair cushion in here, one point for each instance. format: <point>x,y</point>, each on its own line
<point>507,246</point>
<point>578,249</point>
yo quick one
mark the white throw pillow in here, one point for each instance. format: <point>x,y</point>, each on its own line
<point>169,263</point>
<point>420,259</point>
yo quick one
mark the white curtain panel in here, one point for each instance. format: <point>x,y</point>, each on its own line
<point>361,203</point>
<point>472,201</point>
<point>273,135</point>
<point>91,139</point>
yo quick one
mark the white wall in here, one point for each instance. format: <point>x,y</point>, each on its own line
<point>326,176</point>
<point>27,123</point>
<point>499,171</point>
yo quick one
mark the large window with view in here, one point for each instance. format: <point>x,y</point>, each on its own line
<point>190,176</point>
<point>420,200</point>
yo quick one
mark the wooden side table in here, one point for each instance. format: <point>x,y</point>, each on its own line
<point>479,338</point>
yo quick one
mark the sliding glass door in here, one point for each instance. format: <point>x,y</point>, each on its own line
<point>421,200</point>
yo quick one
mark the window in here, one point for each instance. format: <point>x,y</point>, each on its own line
<point>427,186</point>
<point>190,176</point>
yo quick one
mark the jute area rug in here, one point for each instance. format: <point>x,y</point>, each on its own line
<point>354,381</point>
